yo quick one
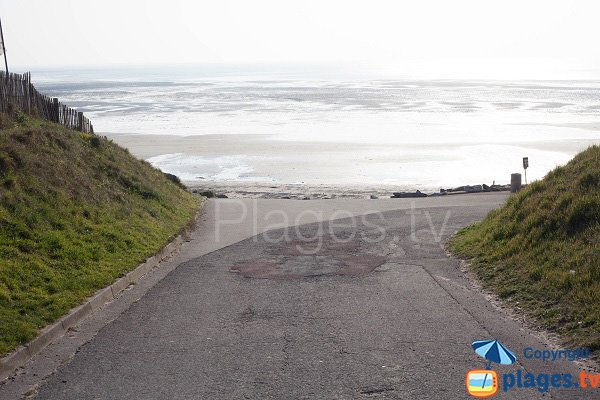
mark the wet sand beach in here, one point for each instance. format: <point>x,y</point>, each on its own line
<point>264,166</point>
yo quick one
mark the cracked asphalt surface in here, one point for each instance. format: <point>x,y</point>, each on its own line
<point>363,308</point>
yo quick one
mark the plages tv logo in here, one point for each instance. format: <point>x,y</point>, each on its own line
<point>482,383</point>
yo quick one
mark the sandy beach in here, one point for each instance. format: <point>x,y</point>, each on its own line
<point>299,170</point>
<point>148,146</point>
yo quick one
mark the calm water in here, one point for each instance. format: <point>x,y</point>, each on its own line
<point>349,130</point>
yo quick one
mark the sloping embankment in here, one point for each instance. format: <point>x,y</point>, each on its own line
<point>542,250</point>
<point>76,212</point>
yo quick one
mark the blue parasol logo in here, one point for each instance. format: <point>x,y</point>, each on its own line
<point>493,351</point>
<point>484,383</point>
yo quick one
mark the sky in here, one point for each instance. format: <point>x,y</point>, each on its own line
<point>504,39</point>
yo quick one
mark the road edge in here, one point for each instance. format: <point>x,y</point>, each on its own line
<point>551,339</point>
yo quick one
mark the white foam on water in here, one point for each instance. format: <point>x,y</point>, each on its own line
<point>196,168</point>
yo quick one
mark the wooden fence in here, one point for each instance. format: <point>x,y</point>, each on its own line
<point>17,93</point>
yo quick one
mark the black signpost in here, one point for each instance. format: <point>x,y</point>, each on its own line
<point>525,165</point>
<point>3,48</point>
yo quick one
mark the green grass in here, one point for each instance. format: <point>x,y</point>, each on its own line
<point>542,250</point>
<point>76,212</point>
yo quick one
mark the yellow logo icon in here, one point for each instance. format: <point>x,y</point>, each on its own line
<point>482,383</point>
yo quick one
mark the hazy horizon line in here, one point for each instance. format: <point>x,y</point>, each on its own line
<point>313,70</point>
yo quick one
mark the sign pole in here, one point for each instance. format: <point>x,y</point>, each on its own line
<point>525,165</point>
<point>3,48</point>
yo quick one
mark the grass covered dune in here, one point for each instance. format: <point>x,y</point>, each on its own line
<point>76,212</point>
<point>542,250</point>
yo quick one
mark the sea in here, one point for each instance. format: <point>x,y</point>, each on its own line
<point>226,124</point>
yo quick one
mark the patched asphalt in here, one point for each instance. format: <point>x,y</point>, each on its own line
<point>359,308</point>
